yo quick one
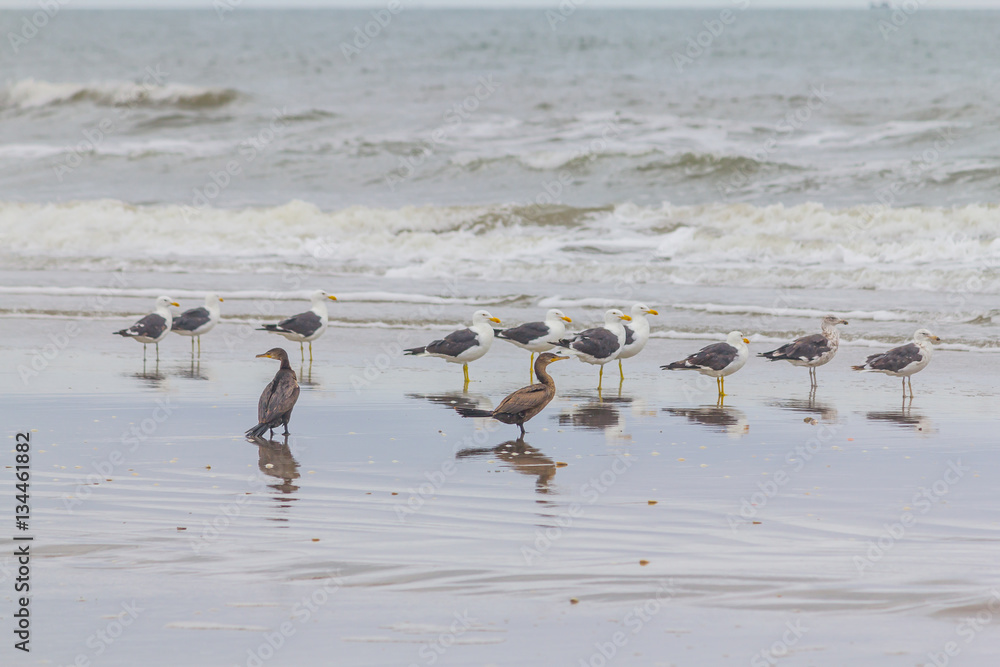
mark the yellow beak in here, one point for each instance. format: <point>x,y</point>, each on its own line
<point>174,303</point>
<point>265,354</point>
<point>653,312</point>
<point>221,299</point>
<point>627,318</point>
<point>566,319</point>
<point>331,298</point>
<point>560,358</point>
<point>495,320</point>
<point>746,340</point>
<point>936,339</point>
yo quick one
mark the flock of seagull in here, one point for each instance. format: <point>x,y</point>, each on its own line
<point>621,337</point>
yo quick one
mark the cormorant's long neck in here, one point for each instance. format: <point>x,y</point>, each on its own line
<point>543,375</point>
<point>285,364</point>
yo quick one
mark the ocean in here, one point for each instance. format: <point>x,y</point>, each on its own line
<point>732,168</point>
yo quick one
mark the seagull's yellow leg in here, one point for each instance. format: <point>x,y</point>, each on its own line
<point>722,385</point>
<point>621,371</point>
<point>465,371</point>
<point>310,352</point>
<point>909,381</point>
<point>600,378</point>
<point>192,346</point>
<point>199,346</point>
<point>157,351</point>
<point>302,352</point>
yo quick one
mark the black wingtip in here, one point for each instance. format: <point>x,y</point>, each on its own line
<point>413,351</point>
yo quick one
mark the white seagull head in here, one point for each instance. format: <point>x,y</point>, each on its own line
<point>556,314</point>
<point>318,297</point>
<point>164,303</point>
<point>735,338</point>
<point>642,309</point>
<point>614,316</point>
<point>483,316</point>
<point>925,336</point>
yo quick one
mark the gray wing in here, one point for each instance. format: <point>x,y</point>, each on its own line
<point>279,397</point>
<point>524,399</point>
<point>526,333</point>
<point>304,324</point>
<point>806,348</point>
<point>191,320</point>
<point>598,343</point>
<point>151,326</point>
<point>629,335</point>
<point>455,343</point>
<point>895,359</point>
<point>715,356</point>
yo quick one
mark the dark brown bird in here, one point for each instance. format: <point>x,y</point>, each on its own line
<point>526,402</point>
<point>278,399</point>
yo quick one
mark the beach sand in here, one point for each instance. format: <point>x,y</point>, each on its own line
<point>644,526</point>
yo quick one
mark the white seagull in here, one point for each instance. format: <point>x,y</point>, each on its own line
<point>305,327</point>
<point>636,334</point>
<point>198,321</point>
<point>464,345</point>
<point>717,360</point>
<point>599,345</point>
<point>537,336</point>
<point>811,351</point>
<point>903,361</point>
<point>153,327</point>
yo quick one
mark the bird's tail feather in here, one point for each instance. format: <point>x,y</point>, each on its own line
<point>415,351</point>
<point>676,366</point>
<point>257,431</point>
<point>772,356</point>
<point>268,327</point>
<point>472,412</point>
<point>859,368</point>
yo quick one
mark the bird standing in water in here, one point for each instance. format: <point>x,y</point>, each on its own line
<point>198,321</point>
<point>526,402</point>
<point>153,327</point>
<point>275,406</point>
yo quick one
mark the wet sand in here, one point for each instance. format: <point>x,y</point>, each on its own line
<point>648,522</point>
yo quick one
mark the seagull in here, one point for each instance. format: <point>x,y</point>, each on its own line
<point>903,361</point>
<point>601,344</point>
<point>636,334</point>
<point>153,327</point>
<point>537,336</point>
<point>304,327</point>
<point>813,350</point>
<point>275,406</point>
<point>526,402</point>
<point>198,321</point>
<point>464,345</point>
<point>717,360</point>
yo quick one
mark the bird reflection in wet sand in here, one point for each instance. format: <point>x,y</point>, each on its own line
<point>457,399</point>
<point>731,421</point>
<point>904,417</point>
<point>151,375</point>
<point>521,457</point>
<point>599,415</point>
<point>192,372</point>
<point>824,411</point>
<point>275,459</point>
<point>306,375</point>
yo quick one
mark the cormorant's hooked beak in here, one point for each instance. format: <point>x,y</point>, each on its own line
<point>558,359</point>
<point>265,354</point>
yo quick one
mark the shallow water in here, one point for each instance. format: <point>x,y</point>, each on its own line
<point>390,515</point>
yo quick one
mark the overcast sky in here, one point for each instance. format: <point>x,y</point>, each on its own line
<point>537,4</point>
